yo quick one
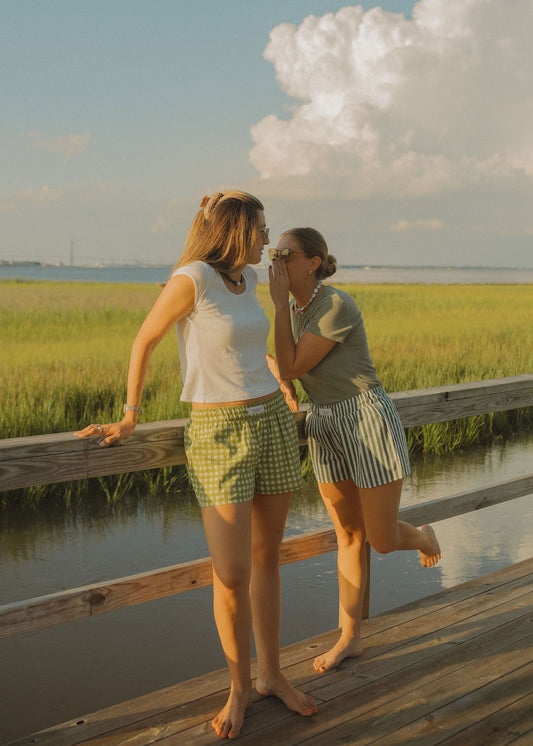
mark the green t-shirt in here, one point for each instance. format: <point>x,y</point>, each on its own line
<point>347,369</point>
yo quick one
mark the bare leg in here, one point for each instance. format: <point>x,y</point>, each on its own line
<point>386,533</point>
<point>228,531</point>
<point>344,507</point>
<point>268,521</point>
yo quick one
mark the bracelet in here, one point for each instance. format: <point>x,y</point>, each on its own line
<point>130,408</point>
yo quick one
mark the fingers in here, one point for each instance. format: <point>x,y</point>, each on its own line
<point>104,432</point>
<point>291,399</point>
<point>277,269</point>
<point>90,431</point>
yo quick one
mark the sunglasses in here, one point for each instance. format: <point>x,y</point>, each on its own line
<point>284,254</point>
<point>264,232</point>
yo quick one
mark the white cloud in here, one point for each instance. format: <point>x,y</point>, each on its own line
<point>42,197</point>
<point>67,145</point>
<point>392,107</point>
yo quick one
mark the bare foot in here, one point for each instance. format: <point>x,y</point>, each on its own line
<point>278,686</point>
<point>228,722</point>
<point>433,556</point>
<point>342,649</point>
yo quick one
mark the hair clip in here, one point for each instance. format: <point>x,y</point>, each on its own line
<point>211,202</point>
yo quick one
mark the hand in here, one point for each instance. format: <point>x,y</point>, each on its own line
<point>279,282</point>
<point>288,390</point>
<point>109,434</point>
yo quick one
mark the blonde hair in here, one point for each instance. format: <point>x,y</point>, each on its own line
<point>223,231</point>
<point>313,243</point>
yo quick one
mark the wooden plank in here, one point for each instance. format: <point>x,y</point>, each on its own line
<point>504,723</point>
<point>177,711</point>
<point>422,406</point>
<point>51,459</point>
<point>524,740</point>
<point>396,690</point>
<point>56,444</point>
<point>48,459</point>
<point>396,646</point>
<point>467,502</point>
<point>89,600</point>
<point>394,721</point>
<point>508,584</point>
<point>440,634</point>
<point>437,724</point>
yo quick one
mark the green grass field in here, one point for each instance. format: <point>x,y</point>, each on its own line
<point>65,350</point>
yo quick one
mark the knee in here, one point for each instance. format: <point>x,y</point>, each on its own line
<point>234,577</point>
<point>382,544</point>
<point>350,538</point>
<point>265,555</point>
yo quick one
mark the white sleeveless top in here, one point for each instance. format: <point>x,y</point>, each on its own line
<point>222,341</point>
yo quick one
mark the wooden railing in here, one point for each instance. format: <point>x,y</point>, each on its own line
<point>57,458</point>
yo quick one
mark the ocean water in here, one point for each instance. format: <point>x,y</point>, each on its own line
<point>345,274</point>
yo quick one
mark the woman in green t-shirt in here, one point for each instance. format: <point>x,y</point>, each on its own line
<point>356,440</point>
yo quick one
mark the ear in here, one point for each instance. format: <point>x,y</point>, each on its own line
<point>315,263</point>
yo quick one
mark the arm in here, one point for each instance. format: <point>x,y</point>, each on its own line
<point>287,387</point>
<point>293,359</point>
<point>175,302</point>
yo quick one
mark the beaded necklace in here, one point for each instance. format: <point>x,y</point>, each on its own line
<point>301,309</point>
<point>230,279</point>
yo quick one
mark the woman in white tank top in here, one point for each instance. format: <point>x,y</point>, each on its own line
<point>241,442</point>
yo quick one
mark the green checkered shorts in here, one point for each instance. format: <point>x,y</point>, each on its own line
<point>235,452</point>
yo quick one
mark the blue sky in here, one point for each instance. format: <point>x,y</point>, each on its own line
<point>400,133</point>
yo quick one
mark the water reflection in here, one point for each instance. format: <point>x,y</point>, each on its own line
<point>482,541</point>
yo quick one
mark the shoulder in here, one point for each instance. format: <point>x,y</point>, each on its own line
<point>334,314</point>
<point>339,301</point>
<point>202,274</point>
<point>331,298</point>
<point>196,270</point>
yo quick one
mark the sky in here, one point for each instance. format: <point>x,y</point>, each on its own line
<point>402,131</point>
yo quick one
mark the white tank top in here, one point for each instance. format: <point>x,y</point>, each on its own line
<point>222,341</point>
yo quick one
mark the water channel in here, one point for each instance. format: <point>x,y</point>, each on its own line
<point>73,669</point>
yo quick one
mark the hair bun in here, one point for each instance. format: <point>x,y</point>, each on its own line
<point>331,265</point>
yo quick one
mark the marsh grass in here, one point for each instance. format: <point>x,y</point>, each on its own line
<point>65,350</point>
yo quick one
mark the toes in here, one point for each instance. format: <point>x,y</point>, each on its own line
<point>221,728</point>
<point>321,665</point>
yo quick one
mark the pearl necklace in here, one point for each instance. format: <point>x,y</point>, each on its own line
<point>230,279</point>
<point>301,309</point>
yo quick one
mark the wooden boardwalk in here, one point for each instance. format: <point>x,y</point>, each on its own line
<point>453,668</point>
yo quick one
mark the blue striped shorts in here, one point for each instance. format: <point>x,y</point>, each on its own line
<point>360,439</point>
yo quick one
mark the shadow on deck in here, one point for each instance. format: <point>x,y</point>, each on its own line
<point>454,668</point>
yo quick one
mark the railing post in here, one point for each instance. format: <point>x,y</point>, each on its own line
<point>365,609</point>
